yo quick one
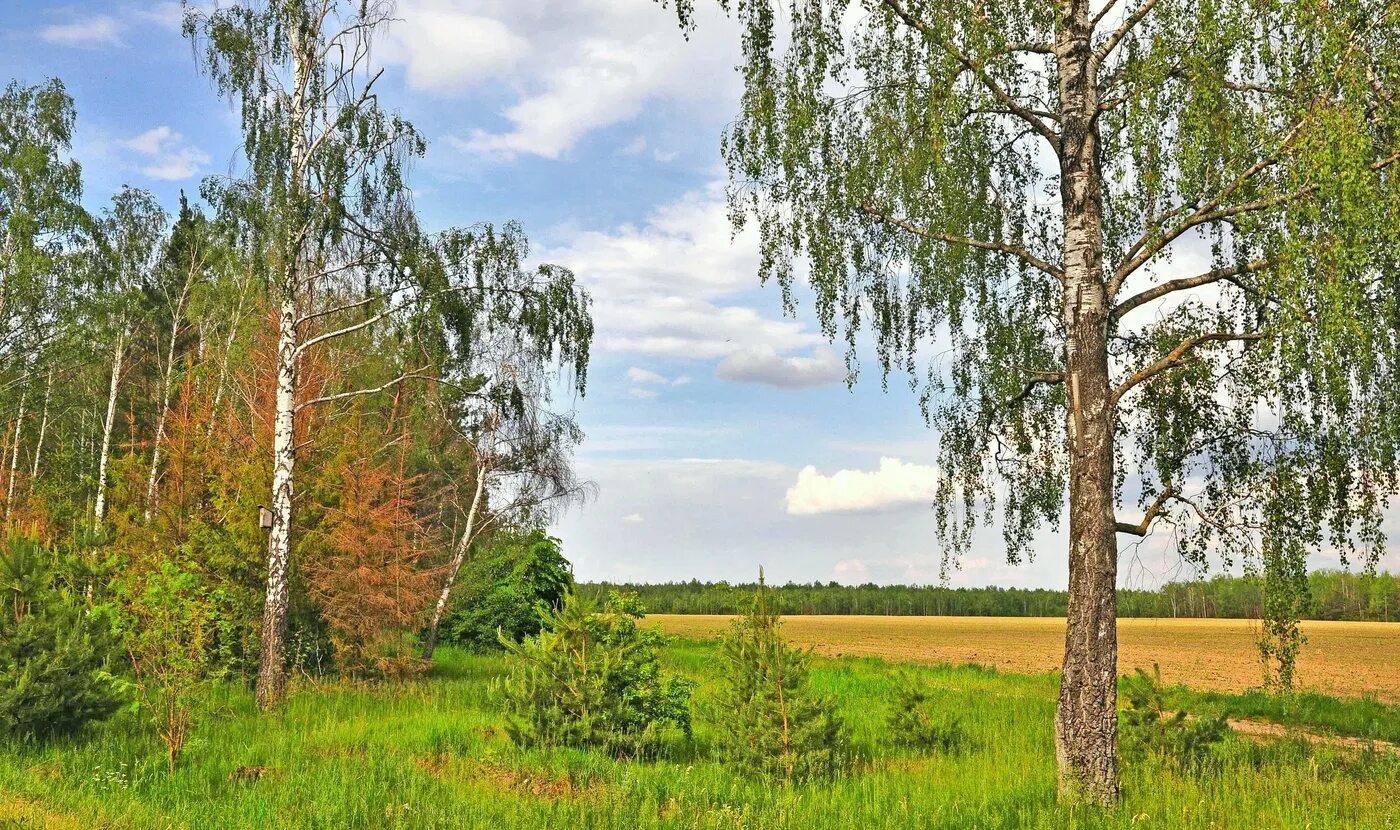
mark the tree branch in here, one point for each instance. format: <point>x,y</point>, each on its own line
<point>1178,355</point>
<point>1122,31</point>
<point>999,247</point>
<point>416,374</point>
<point>1153,510</point>
<point>898,8</point>
<point>1229,274</point>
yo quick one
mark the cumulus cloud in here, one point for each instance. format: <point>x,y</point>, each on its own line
<point>645,376</point>
<point>447,46</point>
<point>574,67</point>
<point>168,157</point>
<point>97,30</point>
<point>633,519</point>
<point>894,484</point>
<point>672,285</point>
<point>641,394</point>
<point>764,365</point>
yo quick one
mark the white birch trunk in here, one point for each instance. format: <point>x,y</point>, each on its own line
<point>272,674</point>
<point>99,509</point>
<point>14,456</point>
<point>43,428</point>
<point>455,567</point>
<point>164,405</point>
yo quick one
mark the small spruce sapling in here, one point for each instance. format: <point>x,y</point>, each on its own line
<point>1148,728</point>
<point>55,652</point>
<point>769,721</point>
<point>591,679</point>
<point>916,723</point>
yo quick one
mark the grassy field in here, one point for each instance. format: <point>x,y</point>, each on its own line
<point>431,754</point>
<point>1348,659</point>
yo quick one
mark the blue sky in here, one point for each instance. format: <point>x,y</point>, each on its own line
<point>595,124</point>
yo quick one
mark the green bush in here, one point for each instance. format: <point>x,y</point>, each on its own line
<point>591,679</point>
<point>55,654</point>
<point>1147,728</point>
<point>505,588</point>
<point>768,720</point>
<point>916,723</point>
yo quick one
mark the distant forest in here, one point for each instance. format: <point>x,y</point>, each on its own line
<point>1332,595</point>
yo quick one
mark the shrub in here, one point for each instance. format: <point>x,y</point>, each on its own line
<point>769,722</point>
<point>1147,728</point>
<point>915,723</point>
<point>591,679</point>
<point>169,625</point>
<point>505,588</point>
<point>54,652</point>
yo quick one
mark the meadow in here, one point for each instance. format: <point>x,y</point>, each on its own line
<point>432,753</point>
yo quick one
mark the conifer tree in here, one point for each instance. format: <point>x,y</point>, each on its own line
<point>772,723</point>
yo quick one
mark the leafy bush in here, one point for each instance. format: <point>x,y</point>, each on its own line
<point>169,624</point>
<point>591,679</point>
<point>54,652</point>
<point>769,722</point>
<point>1147,728</point>
<point>505,588</point>
<point>915,723</point>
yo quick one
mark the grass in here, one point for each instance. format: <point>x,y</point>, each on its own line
<point>431,753</point>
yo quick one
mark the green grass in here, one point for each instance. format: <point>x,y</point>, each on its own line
<point>431,753</point>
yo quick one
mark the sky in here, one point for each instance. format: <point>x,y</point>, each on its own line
<point>721,432</point>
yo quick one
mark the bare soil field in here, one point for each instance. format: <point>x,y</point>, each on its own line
<point>1348,659</point>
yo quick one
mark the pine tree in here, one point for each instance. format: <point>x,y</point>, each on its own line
<point>54,652</point>
<point>592,679</point>
<point>772,723</point>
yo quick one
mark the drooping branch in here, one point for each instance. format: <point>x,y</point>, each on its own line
<point>978,71</point>
<point>953,239</point>
<point>1153,511</point>
<point>1227,274</point>
<point>1179,355</point>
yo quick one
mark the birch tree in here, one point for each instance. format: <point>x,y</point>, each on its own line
<point>1153,244</point>
<point>40,220</point>
<point>326,210</point>
<point>130,235</point>
<point>323,204</point>
<point>501,338</point>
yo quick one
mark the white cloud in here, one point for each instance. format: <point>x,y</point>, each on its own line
<point>447,46</point>
<point>633,519</point>
<point>152,141</point>
<point>573,67</point>
<point>894,484</point>
<point>764,365</point>
<point>850,571</point>
<point>645,376</point>
<point>641,394</point>
<point>169,158</point>
<point>98,30</point>
<point>670,287</point>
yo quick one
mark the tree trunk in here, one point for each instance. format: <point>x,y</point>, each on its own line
<point>459,557</point>
<point>43,428</point>
<point>164,405</point>
<point>272,673</point>
<point>99,510</point>
<point>14,455</point>
<point>1086,720</point>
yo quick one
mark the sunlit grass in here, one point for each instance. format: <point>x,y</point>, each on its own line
<point>432,754</point>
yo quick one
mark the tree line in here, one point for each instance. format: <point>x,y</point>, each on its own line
<point>263,428</point>
<point>1331,595</point>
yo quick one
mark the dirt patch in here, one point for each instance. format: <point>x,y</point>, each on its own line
<point>1347,659</point>
<point>506,779</point>
<point>23,814</point>
<point>1266,731</point>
